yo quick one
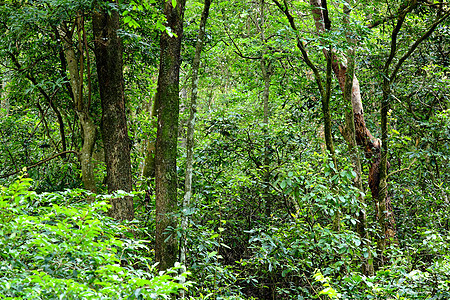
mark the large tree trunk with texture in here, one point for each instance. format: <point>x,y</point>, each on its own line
<point>108,53</point>
<point>167,105</point>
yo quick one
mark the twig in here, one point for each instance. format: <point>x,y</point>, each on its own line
<point>401,170</point>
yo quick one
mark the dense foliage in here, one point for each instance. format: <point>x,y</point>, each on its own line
<point>57,246</point>
<point>274,214</point>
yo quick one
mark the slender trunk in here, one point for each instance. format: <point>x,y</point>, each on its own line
<point>354,131</point>
<point>385,215</point>
<point>108,53</point>
<point>4,100</point>
<point>266,175</point>
<point>324,93</point>
<point>349,135</point>
<point>326,25</point>
<point>191,129</point>
<point>167,103</point>
<point>266,73</point>
<point>87,124</point>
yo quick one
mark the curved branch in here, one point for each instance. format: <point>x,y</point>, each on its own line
<point>301,47</point>
<point>417,43</point>
<point>41,162</point>
<point>401,170</point>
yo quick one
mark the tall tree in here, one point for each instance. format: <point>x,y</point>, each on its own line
<point>354,130</point>
<point>349,134</point>
<point>266,74</point>
<point>324,86</point>
<point>192,118</point>
<point>191,127</point>
<point>75,66</point>
<point>108,53</point>
<point>167,105</point>
<point>390,71</point>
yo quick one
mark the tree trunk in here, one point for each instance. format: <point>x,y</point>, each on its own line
<point>387,228</point>
<point>354,131</point>
<point>148,170</point>
<point>266,74</point>
<point>349,135</point>
<point>325,93</point>
<point>4,100</point>
<point>88,133</point>
<point>108,53</point>
<point>167,104</point>
<point>191,128</point>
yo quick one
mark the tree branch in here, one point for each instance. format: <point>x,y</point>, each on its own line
<point>416,44</point>
<point>300,45</point>
<point>41,162</point>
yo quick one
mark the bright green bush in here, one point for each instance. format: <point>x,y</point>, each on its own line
<point>55,248</point>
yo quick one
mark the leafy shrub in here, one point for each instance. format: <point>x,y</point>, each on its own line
<point>55,248</point>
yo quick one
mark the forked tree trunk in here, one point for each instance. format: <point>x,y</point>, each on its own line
<point>108,53</point>
<point>88,133</point>
<point>167,104</point>
<point>354,131</point>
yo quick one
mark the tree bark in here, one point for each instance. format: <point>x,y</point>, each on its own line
<point>167,103</point>
<point>148,170</point>
<point>108,53</point>
<point>88,133</point>
<point>349,134</point>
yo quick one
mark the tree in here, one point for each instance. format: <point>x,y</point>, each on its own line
<point>192,115</point>
<point>191,128</point>
<point>75,66</point>
<point>324,86</point>
<point>354,129</point>
<point>386,234</point>
<point>167,106</point>
<point>108,53</point>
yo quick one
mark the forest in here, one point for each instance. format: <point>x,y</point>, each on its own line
<point>224,149</point>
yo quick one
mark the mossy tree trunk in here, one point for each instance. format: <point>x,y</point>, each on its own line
<point>167,105</point>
